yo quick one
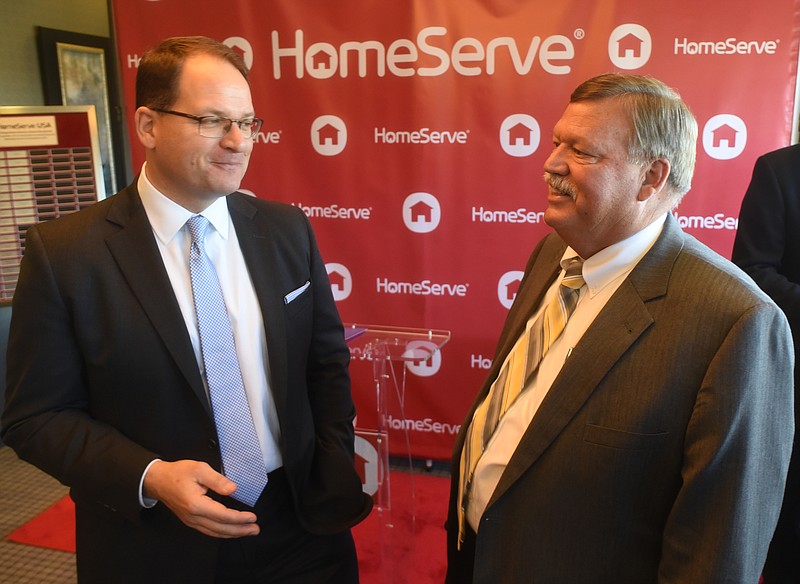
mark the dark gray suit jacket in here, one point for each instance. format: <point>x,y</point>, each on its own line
<point>661,449</point>
<point>102,379</point>
<point>767,247</point>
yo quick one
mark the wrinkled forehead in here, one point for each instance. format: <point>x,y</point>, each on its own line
<point>601,121</point>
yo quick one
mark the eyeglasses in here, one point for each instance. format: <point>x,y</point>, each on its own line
<point>218,126</point>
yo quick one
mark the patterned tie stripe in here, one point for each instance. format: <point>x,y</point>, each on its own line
<point>242,459</point>
<point>519,368</point>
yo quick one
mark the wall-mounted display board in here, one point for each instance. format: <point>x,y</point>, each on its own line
<point>49,166</point>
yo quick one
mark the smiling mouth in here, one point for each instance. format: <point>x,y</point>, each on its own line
<point>228,164</point>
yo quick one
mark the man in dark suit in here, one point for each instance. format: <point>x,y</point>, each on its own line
<point>650,443</point>
<point>767,247</point>
<point>109,378</point>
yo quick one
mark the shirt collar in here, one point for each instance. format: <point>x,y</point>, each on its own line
<point>167,217</point>
<point>618,259</point>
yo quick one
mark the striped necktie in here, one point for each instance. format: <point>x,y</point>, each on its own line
<point>519,368</point>
<point>242,459</point>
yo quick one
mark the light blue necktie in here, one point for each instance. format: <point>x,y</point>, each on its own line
<point>242,459</point>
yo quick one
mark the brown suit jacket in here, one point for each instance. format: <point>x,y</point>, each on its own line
<point>661,449</point>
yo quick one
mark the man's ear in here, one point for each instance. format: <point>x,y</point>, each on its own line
<point>655,178</point>
<point>144,122</point>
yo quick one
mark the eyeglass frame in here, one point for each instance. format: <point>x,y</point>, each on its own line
<point>256,123</point>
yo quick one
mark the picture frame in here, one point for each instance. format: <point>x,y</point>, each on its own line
<point>78,69</point>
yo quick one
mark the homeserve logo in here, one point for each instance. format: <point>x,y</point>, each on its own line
<point>519,135</point>
<point>422,358</point>
<point>426,426</point>
<point>729,46</point>
<point>265,136</point>
<point>716,222</point>
<point>508,286</point>
<point>421,136</point>
<point>340,279</point>
<point>421,212</point>
<point>335,212</point>
<point>466,56</point>
<point>520,215</point>
<point>479,362</point>
<point>421,288</point>
<point>724,136</point>
<point>630,46</point>
<point>328,135</point>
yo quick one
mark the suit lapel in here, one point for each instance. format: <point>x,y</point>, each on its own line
<point>260,254</point>
<point>619,324</point>
<point>532,290</point>
<point>542,269</point>
<point>136,253</point>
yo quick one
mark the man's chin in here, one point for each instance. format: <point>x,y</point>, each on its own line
<point>554,216</point>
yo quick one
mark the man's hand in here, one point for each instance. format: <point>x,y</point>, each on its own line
<point>182,486</point>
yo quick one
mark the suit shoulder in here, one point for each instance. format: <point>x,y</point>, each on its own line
<point>274,210</point>
<point>77,225</point>
<point>783,156</point>
<point>704,271</point>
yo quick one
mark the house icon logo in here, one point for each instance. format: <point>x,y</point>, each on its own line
<point>429,361</point>
<point>368,460</point>
<point>629,46</point>
<point>508,286</point>
<point>724,136</point>
<point>328,135</point>
<point>519,135</point>
<point>341,281</point>
<point>242,46</point>
<point>421,212</point>
<point>323,62</point>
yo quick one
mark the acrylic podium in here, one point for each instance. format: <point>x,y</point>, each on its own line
<point>384,347</point>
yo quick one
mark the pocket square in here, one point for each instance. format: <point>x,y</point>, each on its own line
<point>295,293</point>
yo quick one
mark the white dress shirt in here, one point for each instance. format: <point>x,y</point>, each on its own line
<point>168,220</point>
<point>603,274</point>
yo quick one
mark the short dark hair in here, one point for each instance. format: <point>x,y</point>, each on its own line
<point>663,125</point>
<point>160,67</point>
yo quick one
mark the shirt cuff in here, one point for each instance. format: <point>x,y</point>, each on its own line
<point>146,502</point>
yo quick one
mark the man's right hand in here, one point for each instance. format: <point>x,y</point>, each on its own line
<point>183,486</point>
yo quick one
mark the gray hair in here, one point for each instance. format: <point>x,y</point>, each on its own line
<point>663,125</point>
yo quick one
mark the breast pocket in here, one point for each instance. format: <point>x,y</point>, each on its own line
<point>299,299</point>
<point>613,438</point>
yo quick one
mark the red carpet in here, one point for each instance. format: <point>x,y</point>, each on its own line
<point>392,545</point>
<point>53,528</point>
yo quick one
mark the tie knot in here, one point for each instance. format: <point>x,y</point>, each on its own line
<point>573,278</point>
<point>197,229</point>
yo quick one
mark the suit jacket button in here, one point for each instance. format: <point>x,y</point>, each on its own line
<point>212,443</point>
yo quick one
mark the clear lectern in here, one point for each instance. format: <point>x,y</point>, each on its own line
<point>384,346</point>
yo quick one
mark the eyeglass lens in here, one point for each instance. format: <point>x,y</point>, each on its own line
<point>215,127</point>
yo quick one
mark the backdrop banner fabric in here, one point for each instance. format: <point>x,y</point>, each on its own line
<point>413,134</point>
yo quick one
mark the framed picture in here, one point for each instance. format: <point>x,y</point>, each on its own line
<point>78,69</point>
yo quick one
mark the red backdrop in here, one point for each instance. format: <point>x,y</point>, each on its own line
<point>413,134</point>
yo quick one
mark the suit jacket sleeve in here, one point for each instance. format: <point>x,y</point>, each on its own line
<point>47,416</point>
<point>735,457</point>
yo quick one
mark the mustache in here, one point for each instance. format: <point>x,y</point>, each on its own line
<point>560,185</point>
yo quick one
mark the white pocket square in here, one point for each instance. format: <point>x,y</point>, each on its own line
<point>295,293</point>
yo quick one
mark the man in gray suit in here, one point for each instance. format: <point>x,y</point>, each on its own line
<point>650,442</point>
